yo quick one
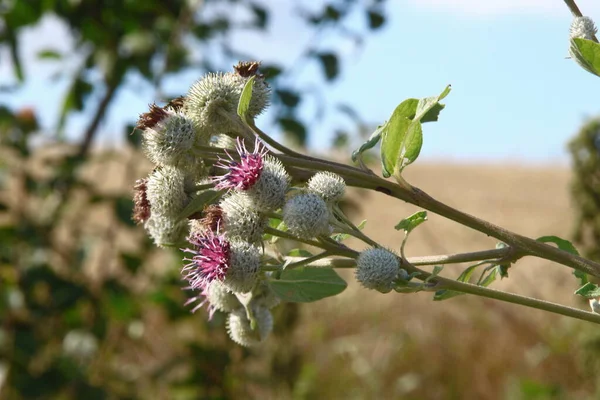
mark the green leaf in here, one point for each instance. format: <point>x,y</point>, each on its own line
<point>245,99</point>
<point>436,271</point>
<point>587,54</point>
<point>305,285</point>
<point>376,19</point>
<point>567,246</point>
<point>49,54</point>
<point>562,244</point>
<point>402,136</point>
<point>410,223</point>
<point>370,143</point>
<point>463,277</point>
<point>588,290</point>
<point>330,64</point>
<point>299,253</point>
<point>199,201</point>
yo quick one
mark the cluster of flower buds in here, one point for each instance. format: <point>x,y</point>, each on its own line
<point>225,250</point>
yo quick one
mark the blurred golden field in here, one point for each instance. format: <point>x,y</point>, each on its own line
<point>365,345</point>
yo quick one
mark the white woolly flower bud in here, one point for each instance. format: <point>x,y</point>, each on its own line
<point>240,218</point>
<point>268,193</point>
<point>166,192</point>
<point>80,344</point>
<point>329,186</point>
<point>240,330</point>
<point>377,269</point>
<point>213,100</point>
<point>221,298</point>
<point>171,140</point>
<point>306,215</point>
<point>166,231</point>
<point>243,268</point>
<point>583,28</point>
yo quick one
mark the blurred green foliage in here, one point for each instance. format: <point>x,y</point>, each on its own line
<point>99,313</point>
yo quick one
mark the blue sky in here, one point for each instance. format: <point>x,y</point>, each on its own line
<point>515,97</point>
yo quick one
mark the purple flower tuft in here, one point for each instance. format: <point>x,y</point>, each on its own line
<point>201,300</point>
<point>211,260</point>
<point>241,174</point>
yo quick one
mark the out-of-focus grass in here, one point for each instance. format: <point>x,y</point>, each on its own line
<point>364,345</point>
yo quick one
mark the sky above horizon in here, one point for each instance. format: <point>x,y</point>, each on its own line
<point>515,97</point>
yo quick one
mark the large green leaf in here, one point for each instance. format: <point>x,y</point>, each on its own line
<point>587,54</point>
<point>402,135</point>
<point>305,284</point>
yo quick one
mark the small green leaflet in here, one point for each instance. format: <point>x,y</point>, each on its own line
<point>305,284</point>
<point>567,246</point>
<point>464,277</point>
<point>198,202</point>
<point>370,143</point>
<point>410,223</point>
<point>589,290</point>
<point>402,136</point>
<point>586,53</point>
<point>245,98</point>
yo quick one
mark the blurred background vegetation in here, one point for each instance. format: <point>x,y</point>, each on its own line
<point>90,309</point>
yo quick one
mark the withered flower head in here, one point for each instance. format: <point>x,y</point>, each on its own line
<point>141,205</point>
<point>176,104</point>
<point>151,118</point>
<point>247,69</point>
<point>212,217</point>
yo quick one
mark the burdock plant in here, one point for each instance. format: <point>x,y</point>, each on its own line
<point>234,192</point>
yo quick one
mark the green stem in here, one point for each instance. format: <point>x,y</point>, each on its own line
<point>444,283</point>
<point>497,255</point>
<point>521,245</point>
<point>205,186</point>
<point>303,261</point>
<point>333,248</point>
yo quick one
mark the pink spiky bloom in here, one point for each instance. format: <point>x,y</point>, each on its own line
<point>201,300</point>
<point>210,261</point>
<point>244,173</point>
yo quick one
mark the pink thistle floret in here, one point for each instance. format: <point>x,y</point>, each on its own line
<point>242,174</point>
<point>200,301</point>
<point>210,261</point>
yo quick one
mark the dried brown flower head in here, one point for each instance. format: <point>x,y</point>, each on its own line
<point>141,205</point>
<point>247,69</point>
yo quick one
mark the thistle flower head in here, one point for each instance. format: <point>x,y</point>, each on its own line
<point>241,174</point>
<point>210,261</point>
<point>240,218</point>
<point>235,264</point>
<point>165,191</point>
<point>377,269</point>
<point>171,140</point>
<point>306,215</point>
<point>329,186</point>
<point>240,330</point>
<point>582,27</point>
<point>165,231</point>
<point>261,176</point>
<point>595,305</point>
